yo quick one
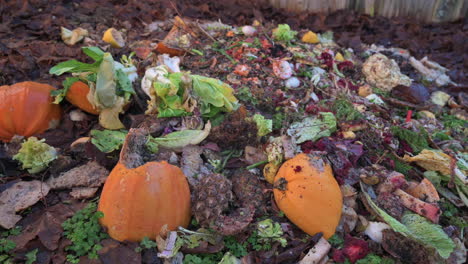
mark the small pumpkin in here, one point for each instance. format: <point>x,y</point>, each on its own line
<point>139,198</point>
<point>308,194</point>
<point>77,96</point>
<point>26,109</point>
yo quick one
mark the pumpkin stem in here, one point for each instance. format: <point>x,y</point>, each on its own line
<point>281,184</point>
<point>133,149</point>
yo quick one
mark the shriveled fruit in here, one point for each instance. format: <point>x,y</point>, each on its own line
<point>114,37</point>
<point>308,194</point>
<point>26,109</point>
<point>77,96</point>
<point>211,196</point>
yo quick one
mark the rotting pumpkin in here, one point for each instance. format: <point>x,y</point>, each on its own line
<point>26,109</point>
<point>139,199</point>
<point>77,95</point>
<point>308,194</point>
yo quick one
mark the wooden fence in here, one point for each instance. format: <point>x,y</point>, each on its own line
<point>422,10</point>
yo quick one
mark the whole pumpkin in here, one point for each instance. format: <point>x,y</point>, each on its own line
<point>308,194</point>
<point>138,201</point>
<point>77,96</point>
<point>26,109</point>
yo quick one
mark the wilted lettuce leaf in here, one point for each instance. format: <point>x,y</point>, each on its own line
<point>124,85</point>
<point>179,139</point>
<point>61,93</point>
<point>106,86</point>
<point>264,126</point>
<point>94,53</point>
<point>178,93</point>
<point>108,140</point>
<point>429,234</point>
<point>35,155</point>
<point>417,228</point>
<point>170,95</point>
<point>214,95</point>
<point>313,128</point>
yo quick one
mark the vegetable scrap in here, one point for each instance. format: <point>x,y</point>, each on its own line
<point>195,141</point>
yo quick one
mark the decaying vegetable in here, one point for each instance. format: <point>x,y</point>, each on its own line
<point>383,72</point>
<point>35,155</point>
<point>308,194</point>
<point>71,37</point>
<point>139,198</point>
<point>26,109</point>
<point>211,197</point>
<point>179,93</point>
<point>284,33</point>
<point>77,96</point>
<point>113,37</point>
<point>310,37</point>
<point>103,87</point>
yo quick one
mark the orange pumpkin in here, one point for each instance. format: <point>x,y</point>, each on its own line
<point>26,109</point>
<point>308,194</point>
<point>139,199</point>
<point>77,96</point>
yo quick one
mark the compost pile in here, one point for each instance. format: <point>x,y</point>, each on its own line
<point>198,141</point>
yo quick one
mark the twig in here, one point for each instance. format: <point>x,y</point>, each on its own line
<point>206,33</point>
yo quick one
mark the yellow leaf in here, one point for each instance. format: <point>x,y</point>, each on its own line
<point>432,161</point>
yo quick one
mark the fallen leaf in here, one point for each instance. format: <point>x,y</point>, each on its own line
<point>90,174</point>
<point>47,227</point>
<point>114,252</point>
<point>19,196</point>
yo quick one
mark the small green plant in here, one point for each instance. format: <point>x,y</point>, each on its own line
<point>336,241</point>
<point>278,119</point>
<point>417,141</point>
<point>237,249</point>
<point>31,256</point>
<point>146,243</point>
<point>454,123</point>
<point>344,110</point>
<point>85,233</point>
<point>203,258</point>
<point>374,259</point>
<point>6,245</point>
<point>245,95</point>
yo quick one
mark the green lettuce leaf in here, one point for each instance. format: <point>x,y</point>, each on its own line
<point>284,33</point>
<point>108,140</point>
<point>94,53</point>
<point>417,228</point>
<point>124,85</point>
<point>264,126</point>
<point>179,139</point>
<point>74,66</point>
<point>35,155</point>
<point>105,83</point>
<point>429,234</point>
<point>313,128</point>
<point>61,93</point>
<point>214,95</point>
